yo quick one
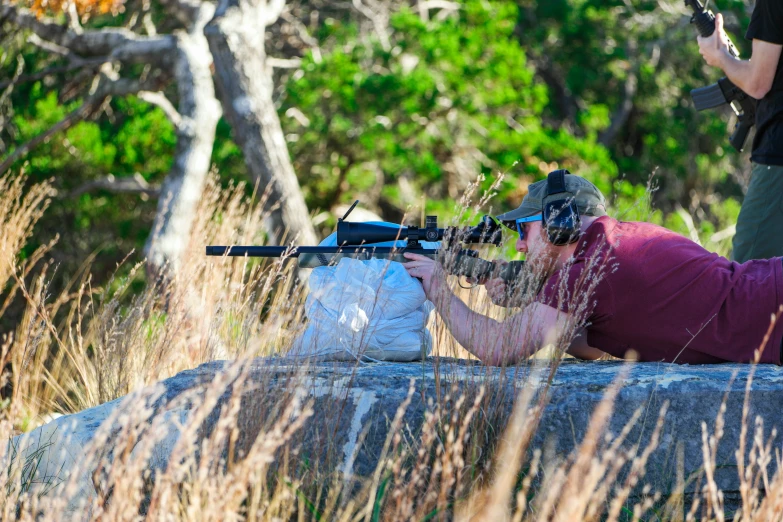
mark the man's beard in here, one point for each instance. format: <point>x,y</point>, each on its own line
<point>538,269</point>
<point>543,264</point>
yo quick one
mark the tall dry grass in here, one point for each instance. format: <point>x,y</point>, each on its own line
<point>90,345</point>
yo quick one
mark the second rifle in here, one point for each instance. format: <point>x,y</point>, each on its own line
<point>724,91</point>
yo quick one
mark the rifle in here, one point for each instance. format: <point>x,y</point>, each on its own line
<point>724,91</point>
<point>353,240</point>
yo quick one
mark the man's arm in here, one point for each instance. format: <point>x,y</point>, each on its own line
<point>496,343</point>
<point>753,76</point>
<point>493,342</point>
<point>497,291</point>
<point>581,350</point>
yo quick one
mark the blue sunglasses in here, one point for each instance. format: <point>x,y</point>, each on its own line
<point>528,219</point>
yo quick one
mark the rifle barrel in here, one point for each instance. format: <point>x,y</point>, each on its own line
<point>280,251</point>
<point>249,251</point>
<point>466,262</point>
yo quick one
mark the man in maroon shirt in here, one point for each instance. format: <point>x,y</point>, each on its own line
<point>620,286</point>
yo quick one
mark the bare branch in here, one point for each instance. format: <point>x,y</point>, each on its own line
<point>92,62</point>
<point>135,184</point>
<point>514,124</point>
<point>379,16</point>
<point>622,113</point>
<point>439,4</point>
<point>66,123</point>
<point>726,233</point>
<point>149,26</point>
<point>445,6</point>
<point>554,77</point>
<point>299,116</point>
<point>17,74</point>
<point>688,220</point>
<point>149,49</point>
<point>271,12</point>
<point>8,89</point>
<point>284,63</point>
<point>159,99</point>
<point>27,20</point>
<point>117,42</point>
<point>135,20</point>
<point>104,89</point>
<point>73,18</point>
<point>50,46</point>
<point>629,93</point>
<point>304,34</point>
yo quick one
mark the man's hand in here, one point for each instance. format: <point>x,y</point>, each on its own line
<point>715,48</point>
<point>754,76</point>
<point>497,291</point>
<point>431,274</point>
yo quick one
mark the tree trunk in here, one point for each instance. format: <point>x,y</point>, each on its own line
<point>245,87</point>
<point>199,112</point>
<point>195,120</point>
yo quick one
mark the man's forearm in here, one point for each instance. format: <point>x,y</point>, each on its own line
<point>480,335</point>
<point>743,74</point>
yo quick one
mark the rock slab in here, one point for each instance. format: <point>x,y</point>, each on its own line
<point>354,405</point>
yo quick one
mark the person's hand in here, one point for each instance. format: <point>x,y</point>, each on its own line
<point>497,291</point>
<point>428,272</point>
<point>715,48</point>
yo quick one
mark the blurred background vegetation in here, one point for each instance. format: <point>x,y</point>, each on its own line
<point>406,118</point>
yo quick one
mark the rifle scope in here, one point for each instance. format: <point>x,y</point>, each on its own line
<point>486,232</point>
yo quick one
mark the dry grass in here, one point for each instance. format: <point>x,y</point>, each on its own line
<point>92,345</point>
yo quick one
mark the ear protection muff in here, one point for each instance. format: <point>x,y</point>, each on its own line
<point>560,215</point>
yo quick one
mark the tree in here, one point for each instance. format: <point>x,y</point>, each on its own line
<point>135,59</point>
<point>236,39</point>
<point>179,57</point>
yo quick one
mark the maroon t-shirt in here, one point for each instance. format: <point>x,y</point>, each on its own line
<point>667,298</point>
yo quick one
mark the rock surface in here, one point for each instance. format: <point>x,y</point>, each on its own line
<point>357,403</point>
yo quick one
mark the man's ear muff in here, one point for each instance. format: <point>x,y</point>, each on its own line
<point>560,215</point>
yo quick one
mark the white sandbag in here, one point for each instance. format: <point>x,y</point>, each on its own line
<point>365,309</point>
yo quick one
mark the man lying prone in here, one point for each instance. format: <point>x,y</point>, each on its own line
<point>622,287</point>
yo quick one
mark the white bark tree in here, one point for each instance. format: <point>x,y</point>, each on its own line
<point>234,36</point>
<point>182,56</point>
<point>195,122</point>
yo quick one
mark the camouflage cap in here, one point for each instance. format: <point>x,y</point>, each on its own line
<point>587,197</point>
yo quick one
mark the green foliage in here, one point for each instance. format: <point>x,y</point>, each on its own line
<point>449,100</point>
<point>632,203</point>
<point>95,227</point>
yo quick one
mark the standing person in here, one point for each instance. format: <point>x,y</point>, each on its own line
<point>619,286</point>
<point>760,223</point>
